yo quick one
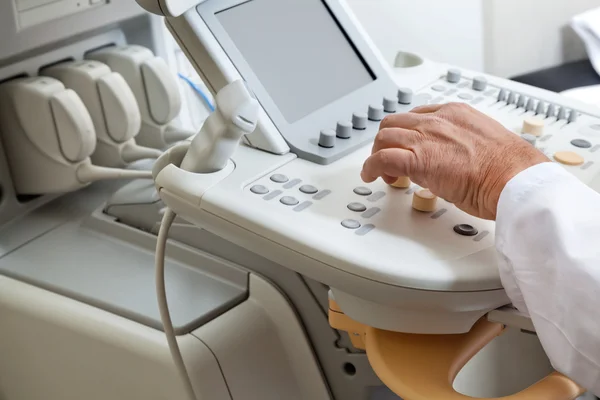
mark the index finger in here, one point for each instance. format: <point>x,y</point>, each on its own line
<point>392,162</point>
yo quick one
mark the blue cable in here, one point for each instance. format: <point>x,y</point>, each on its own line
<point>199,91</point>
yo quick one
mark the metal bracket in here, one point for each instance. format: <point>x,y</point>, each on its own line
<point>512,317</point>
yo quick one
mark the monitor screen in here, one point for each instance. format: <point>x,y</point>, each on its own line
<point>298,52</point>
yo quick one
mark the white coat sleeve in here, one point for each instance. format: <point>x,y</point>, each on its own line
<point>548,239</point>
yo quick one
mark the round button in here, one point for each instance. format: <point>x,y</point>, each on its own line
<point>359,121</point>
<point>405,95</point>
<point>438,88</point>
<point>375,112</point>
<point>327,138</point>
<point>350,224</point>
<point>357,207</point>
<point>568,158</point>
<point>424,200</point>
<point>363,191</point>
<point>466,230</point>
<point>402,182</point>
<point>581,143</point>
<point>502,95</point>
<point>259,189</point>
<point>289,201</point>
<point>279,178</point>
<point>533,126</point>
<point>529,138</point>
<point>465,96</point>
<point>480,83</point>
<point>453,76</point>
<point>308,189</point>
<point>389,104</point>
<point>343,130</point>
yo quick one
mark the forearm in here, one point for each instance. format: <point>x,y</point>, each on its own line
<point>548,237</point>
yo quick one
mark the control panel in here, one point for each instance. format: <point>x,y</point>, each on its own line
<point>403,230</point>
<point>34,12</point>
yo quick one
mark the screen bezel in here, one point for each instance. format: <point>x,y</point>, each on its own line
<point>337,109</point>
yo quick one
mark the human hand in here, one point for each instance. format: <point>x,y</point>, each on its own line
<point>457,152</point>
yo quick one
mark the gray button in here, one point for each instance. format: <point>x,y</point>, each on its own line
<point>289,201</point>
<point>465,96</point>
<point>530,105</point>
<point>478,100</point>
<point>463,85</point>
<point>357,207</point>
<point>405,95</point>
<point>365,229</point>
<point>581,143</point>
<point>439,213</point>
<point>439,88</point>
<point>303,206</point>
<point>371,212</point>
<point>292,183</point>
<point>541,108</point>
<point>308,189</point>
<point>327,138</point>
<point>259,189</point>
<point>453,75</point>
<point>545,138</point>
<point>480,83</point>
<point>272,195</point>
<point>573,115</point>
<point>363,191</point>
<point>587,165</point>
<point>595,148</point>
<point>465,230</point>
<point>502,95</point>
<point>376,196</point>
<point>343,129</point>
<point>279,178</point>
<point>375,112</point>
<point>322,194</point>
<point>562,113</point>
<point>359,121</point>
<point>551,111</point>
<point>522,101</point>
<point>389,104</point>
<point>512,98</point>
<point>350,224</point>
<point>490,93</point>
<point>451,92</point>
<point>532,140</point>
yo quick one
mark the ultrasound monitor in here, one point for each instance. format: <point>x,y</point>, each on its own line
<point>314,74</point>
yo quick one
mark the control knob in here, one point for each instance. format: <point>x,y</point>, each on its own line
<point>327,138</point>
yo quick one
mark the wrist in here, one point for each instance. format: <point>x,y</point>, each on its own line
<point>505,171</point>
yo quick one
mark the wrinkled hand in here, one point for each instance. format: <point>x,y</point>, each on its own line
<point>457,152</point>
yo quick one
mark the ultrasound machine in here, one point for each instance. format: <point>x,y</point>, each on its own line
<point>249,260</point>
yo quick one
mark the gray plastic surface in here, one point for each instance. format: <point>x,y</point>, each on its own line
<point>111,266</point>
<point>302,135</point>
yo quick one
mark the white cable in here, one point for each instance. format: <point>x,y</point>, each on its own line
<point>163,306</point>
<point>87,173</point>
<point>133,152</point>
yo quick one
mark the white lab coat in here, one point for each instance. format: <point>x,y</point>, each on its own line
<point>548,238</point>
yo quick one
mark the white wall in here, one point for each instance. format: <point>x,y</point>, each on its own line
<point>502,37</point>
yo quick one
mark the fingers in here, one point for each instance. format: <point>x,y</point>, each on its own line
<point>427,109</point>
<point>387,163</point>
<point>404,120</point>
<point>395,138</point>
